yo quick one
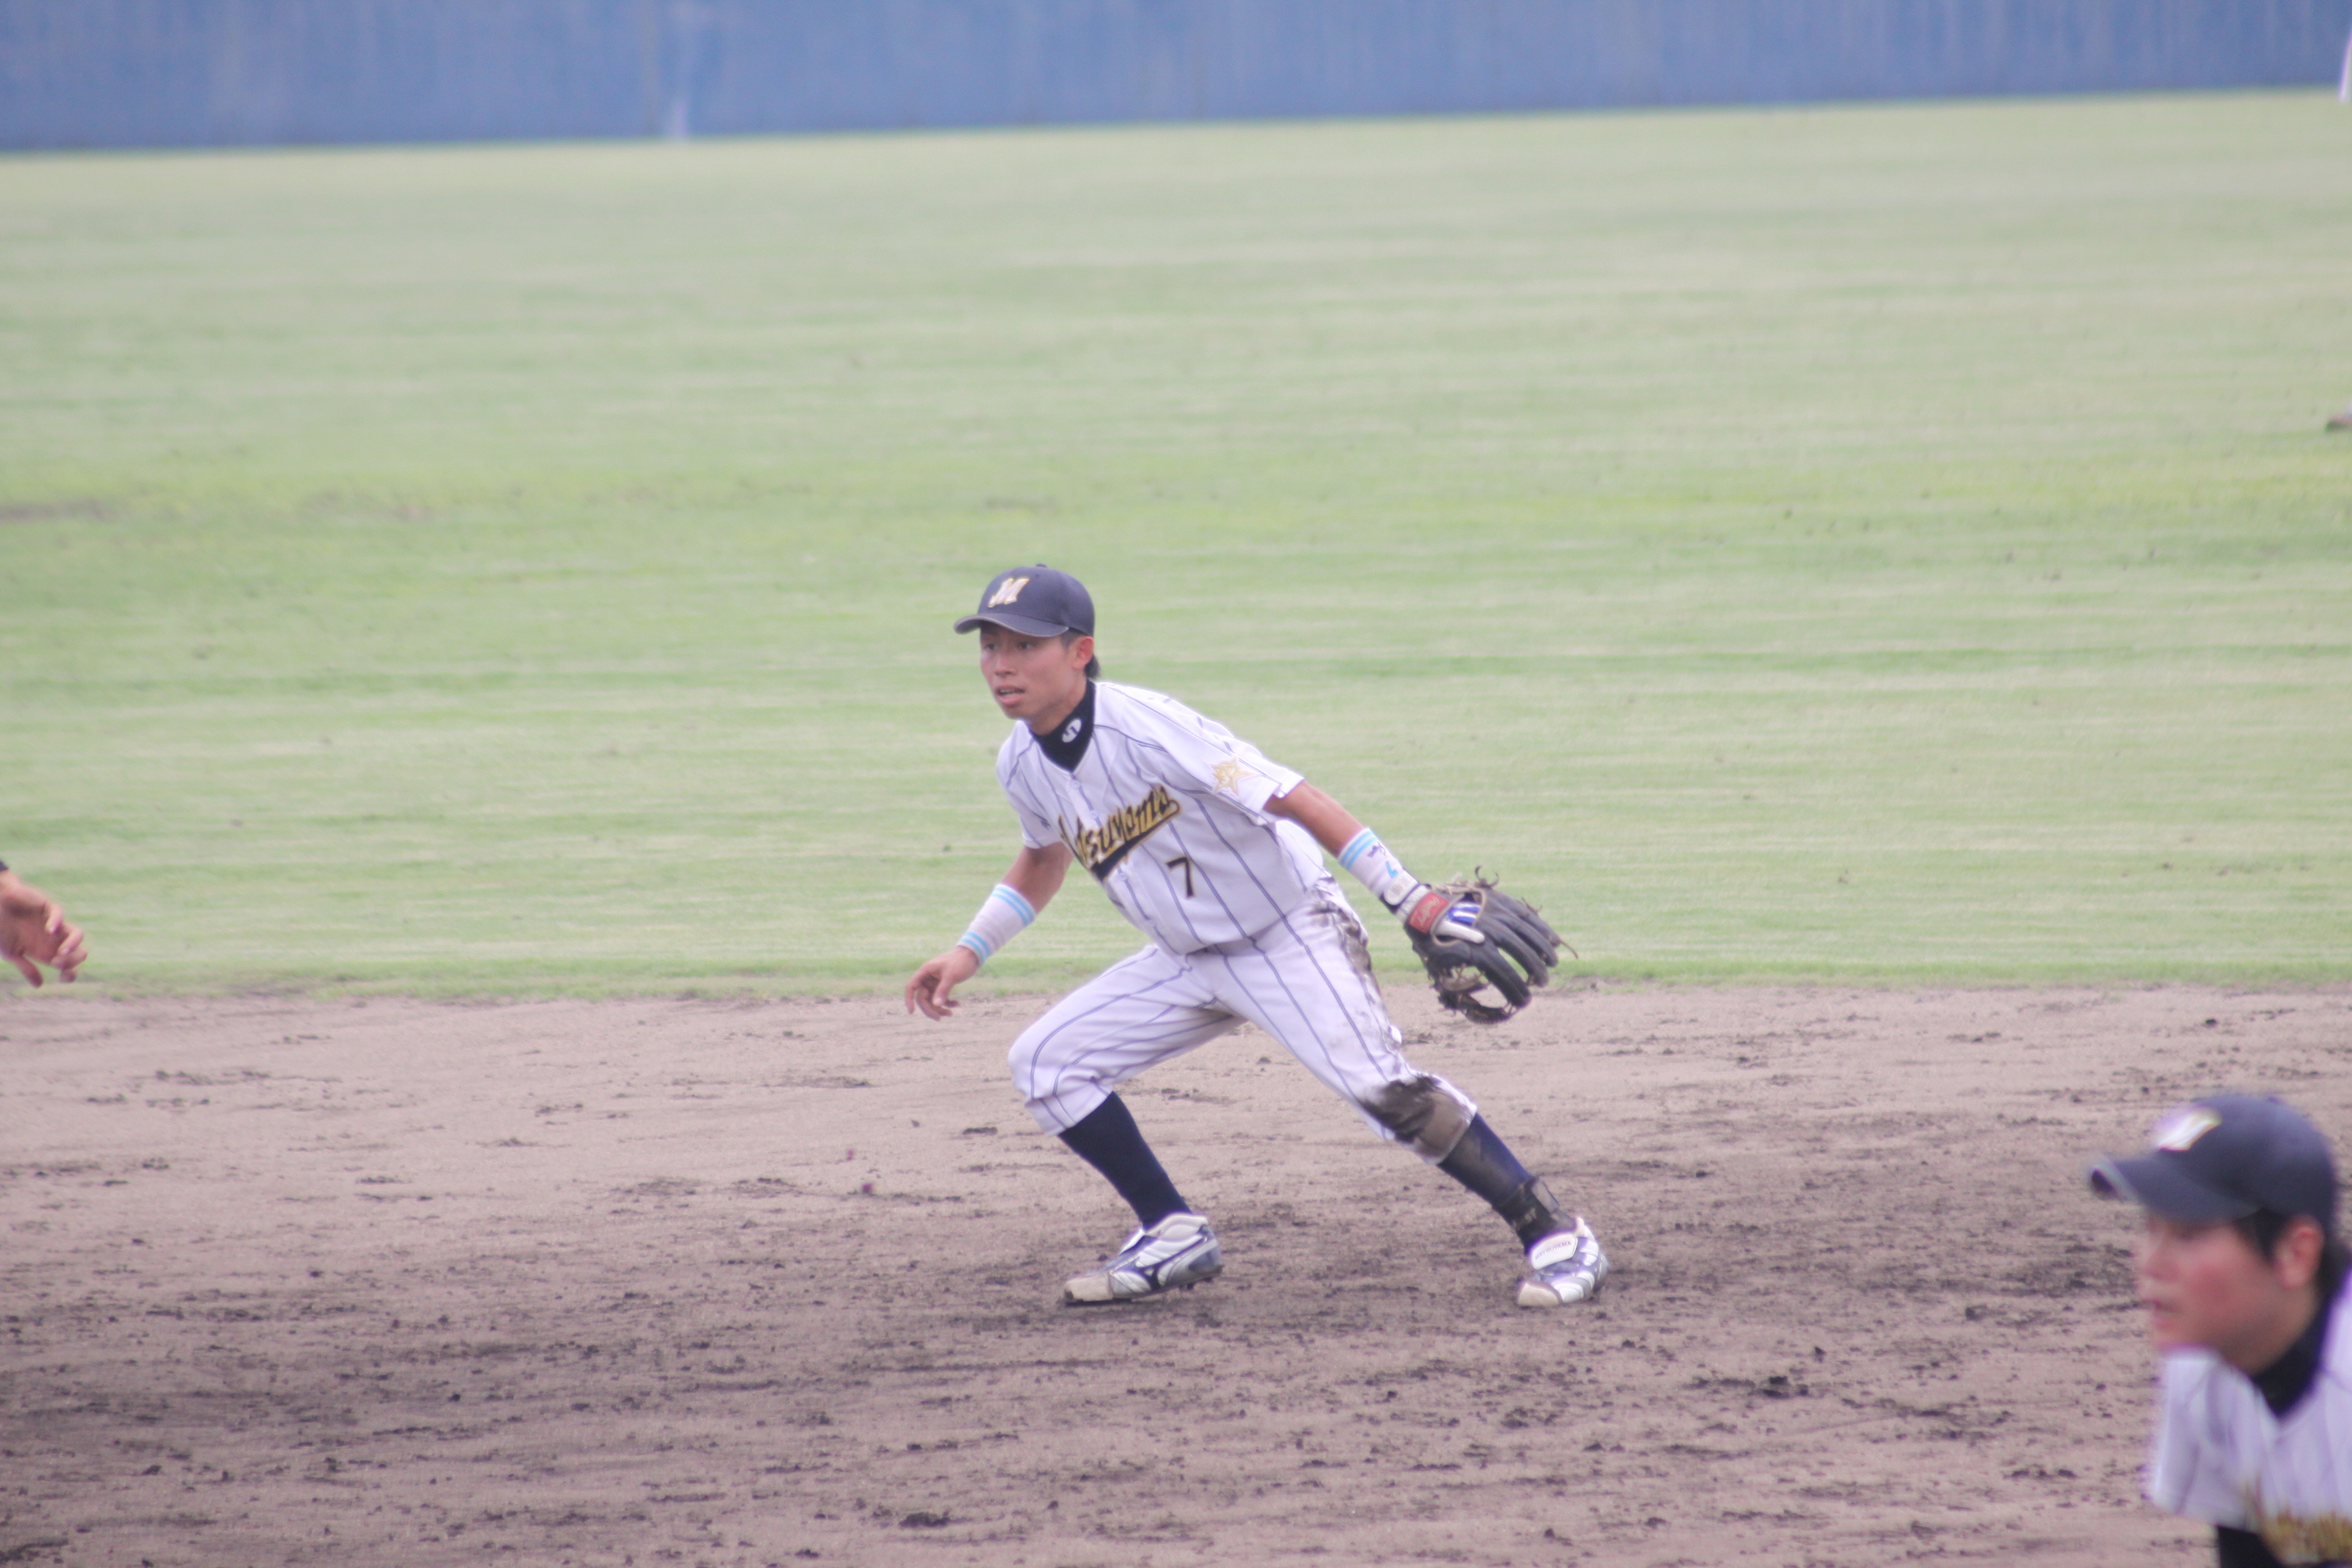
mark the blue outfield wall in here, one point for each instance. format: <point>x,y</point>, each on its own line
<point>163,73</point>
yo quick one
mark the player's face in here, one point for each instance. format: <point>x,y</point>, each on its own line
<point>2206,1285</point>
<point>1034,679</point>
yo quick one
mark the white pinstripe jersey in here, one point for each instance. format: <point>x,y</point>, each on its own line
<point>1167,810</point>
<point>2221,1457</point>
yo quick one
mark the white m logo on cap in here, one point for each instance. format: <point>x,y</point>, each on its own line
<point>1010,591</point>
<point>2179,1131</point>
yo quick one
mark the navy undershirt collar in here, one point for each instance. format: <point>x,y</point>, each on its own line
<point>1067,743</point>
<point>2286,1381</point>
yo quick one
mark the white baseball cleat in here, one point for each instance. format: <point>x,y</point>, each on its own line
<point>1176,1254</point>
<point>1563,1269</point>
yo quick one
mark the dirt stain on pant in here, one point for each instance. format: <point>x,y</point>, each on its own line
<point>1420,1113</point>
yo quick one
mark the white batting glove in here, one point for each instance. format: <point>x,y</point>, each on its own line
<point>1421,906</point>
<point>1425,910</point>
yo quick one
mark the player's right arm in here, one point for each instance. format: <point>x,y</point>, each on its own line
<point>1035,877</point>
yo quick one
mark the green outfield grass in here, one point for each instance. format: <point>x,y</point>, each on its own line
<point>1890,543</point>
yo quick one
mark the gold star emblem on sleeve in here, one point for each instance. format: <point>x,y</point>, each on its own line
<point>1231,772</point>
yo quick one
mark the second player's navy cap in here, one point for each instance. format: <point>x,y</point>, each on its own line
<point>2226,1157</point>
<point>1036,601</point>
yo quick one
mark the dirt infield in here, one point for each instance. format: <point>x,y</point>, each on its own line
<point>681,1282</point>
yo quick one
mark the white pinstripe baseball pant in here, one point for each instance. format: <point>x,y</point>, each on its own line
<point>1304,980</point>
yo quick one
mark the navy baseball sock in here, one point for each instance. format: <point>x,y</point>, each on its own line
<point>1483,1163</point>
<point>1109,1139</point>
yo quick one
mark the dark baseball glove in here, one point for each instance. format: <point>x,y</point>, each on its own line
<point>1471,937</point>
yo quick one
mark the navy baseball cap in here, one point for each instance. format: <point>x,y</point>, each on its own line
<point>1036,601</point>
<point>2224,1158</point>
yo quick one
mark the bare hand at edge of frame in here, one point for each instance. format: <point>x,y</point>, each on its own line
<point>34,930</point>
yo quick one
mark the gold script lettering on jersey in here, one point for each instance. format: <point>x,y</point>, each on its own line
<point>1010,591</point>
<point>1100,848</point>
<point>2300,1538</point>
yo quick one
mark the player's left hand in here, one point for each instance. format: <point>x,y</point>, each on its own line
<point>929,991</point>
<point>33,931</point>
<point>1471,937</point>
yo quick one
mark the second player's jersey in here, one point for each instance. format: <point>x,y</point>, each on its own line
<point>2221,1456</point>
<point>1167,810</point>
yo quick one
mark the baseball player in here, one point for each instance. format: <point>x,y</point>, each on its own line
<point>2243,1273</point>
<point>1211,851</point>
<point>34,930</point>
